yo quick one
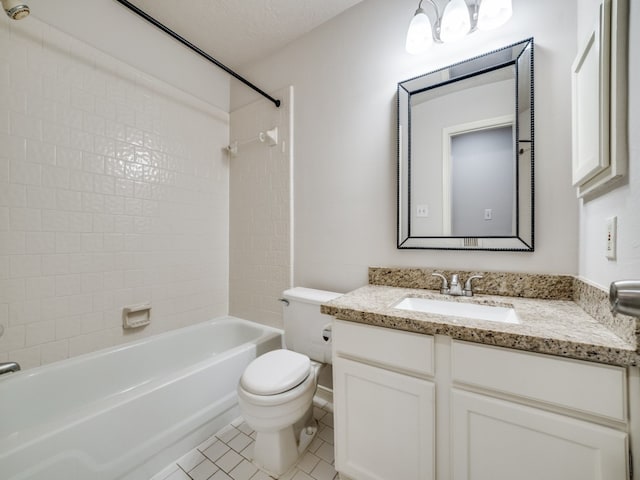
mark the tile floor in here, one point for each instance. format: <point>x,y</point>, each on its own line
<point>227,455</point>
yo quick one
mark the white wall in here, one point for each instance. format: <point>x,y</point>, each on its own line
<point>260,205</point>
<point>113,191</point>
<point>345,74</point>
<point>624,201</point>
<point>115,30</point>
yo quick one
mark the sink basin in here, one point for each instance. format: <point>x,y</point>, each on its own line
<point>459,309</point>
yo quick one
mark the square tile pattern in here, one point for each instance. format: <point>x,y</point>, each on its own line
<point>114,191</point>
<point>228,454</point>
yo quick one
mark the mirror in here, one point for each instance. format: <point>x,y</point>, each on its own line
<point>465,154</point>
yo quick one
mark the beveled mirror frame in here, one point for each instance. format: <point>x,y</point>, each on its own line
<point>520,55</point>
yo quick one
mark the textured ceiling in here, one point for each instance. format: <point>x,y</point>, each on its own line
<point>239,31</point>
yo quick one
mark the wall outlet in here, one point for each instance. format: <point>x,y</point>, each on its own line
<point>612,234</point>
<point>422,210</point>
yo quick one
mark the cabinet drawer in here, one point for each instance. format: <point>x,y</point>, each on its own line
<point>587,387</point>
<point>395,349</point>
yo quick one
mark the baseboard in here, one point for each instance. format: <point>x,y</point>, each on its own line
<point>325,394</point>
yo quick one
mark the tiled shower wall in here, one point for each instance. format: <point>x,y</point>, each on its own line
<point>113,191</point>
<point>260,202</point>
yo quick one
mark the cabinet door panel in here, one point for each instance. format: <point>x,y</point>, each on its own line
<point>498,440</point>
<point>384,423</point>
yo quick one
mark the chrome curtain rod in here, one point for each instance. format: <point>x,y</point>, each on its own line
<point>200,52</point>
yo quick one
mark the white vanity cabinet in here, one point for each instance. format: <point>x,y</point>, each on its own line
<point>528,416</point>
<point>384,405</point>
<point>411,406</point>
<point>493,439</point>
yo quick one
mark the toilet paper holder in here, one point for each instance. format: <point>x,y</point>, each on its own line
<point>326,332</point>
<point>624,297</point>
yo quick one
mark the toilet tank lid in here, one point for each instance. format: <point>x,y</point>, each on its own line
<point>310,295</point>
<point>275,372</point>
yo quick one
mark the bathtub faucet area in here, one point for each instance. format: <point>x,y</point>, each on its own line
<point>9,367</point>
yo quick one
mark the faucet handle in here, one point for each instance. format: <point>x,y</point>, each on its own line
<point>444,288</point>
<point>468,289</point>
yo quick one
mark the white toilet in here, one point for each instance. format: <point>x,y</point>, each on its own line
<point>276,390</point>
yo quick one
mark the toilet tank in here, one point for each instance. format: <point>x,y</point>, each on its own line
<point>303,322</point>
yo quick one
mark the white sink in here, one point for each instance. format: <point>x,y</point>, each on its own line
<point>459,309</point>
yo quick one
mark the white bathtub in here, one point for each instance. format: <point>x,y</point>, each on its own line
<point>126,412</point>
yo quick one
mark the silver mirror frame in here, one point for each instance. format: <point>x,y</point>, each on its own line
<point>523,239</point>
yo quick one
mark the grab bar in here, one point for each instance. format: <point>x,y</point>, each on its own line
<point>8,367</point>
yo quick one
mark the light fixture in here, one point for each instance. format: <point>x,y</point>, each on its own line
<point>458,20</point>
<point>419,35</point>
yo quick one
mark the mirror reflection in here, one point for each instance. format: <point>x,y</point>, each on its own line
<point>465,146</point>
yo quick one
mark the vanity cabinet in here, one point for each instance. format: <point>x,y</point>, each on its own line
<point>493,439</point>
<point>552,420</point>
<point>384,405</point>
<point>412,406</point>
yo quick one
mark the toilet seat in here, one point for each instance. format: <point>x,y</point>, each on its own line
<point>275,372</point>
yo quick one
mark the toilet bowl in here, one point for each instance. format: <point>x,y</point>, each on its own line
<point>275,392</point>
<point>283,420</point>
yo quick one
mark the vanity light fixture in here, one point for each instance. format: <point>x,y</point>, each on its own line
<point>457,21</point>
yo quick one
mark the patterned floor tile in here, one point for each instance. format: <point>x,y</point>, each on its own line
<point>323,471</point>
<point>229,460</point>
<point>227,455</point>
<point>190,460</point>
<point>203,471</point>
<point>325,452</point>
<point>216,450</point>
<point>243,471</point>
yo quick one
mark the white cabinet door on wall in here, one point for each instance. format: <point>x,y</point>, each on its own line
<point>384,423</point>
<point>599,102</point>
<point>494,439</point>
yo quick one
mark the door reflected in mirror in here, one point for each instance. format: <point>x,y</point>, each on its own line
<point>465,154</point>
<point>482,183</point>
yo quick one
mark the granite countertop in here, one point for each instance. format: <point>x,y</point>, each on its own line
<point>556,327</point>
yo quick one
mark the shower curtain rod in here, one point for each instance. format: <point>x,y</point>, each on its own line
<point>200,52</point>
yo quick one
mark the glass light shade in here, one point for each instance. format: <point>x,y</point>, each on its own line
<point>420,34</point>
<point>456,22</point>
<point>494,13</point>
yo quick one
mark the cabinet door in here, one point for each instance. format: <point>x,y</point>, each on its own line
<point>384,423</point>
<point>498,440</point>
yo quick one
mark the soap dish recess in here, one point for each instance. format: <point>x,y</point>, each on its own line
<point>135,316</point>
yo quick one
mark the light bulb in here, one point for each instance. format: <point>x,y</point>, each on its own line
<point>494,13</point>
<point>419,35</point>
<point>456,22</point>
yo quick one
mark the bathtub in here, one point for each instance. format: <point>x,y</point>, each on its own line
<point>126,412</point>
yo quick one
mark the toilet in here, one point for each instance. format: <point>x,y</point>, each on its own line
<point>276,390</point>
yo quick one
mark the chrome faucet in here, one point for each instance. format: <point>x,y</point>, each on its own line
<point>9,367</point>
<point>455,289</point>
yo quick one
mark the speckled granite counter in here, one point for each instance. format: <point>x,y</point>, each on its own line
<point>556,327</point>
